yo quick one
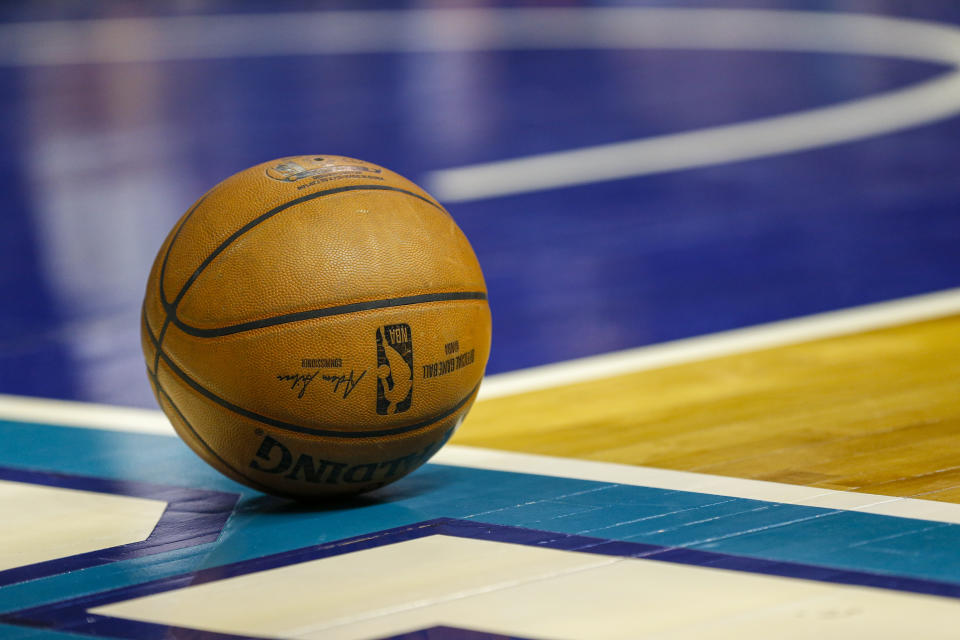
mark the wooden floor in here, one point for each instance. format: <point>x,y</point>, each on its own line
<point>877,412</point>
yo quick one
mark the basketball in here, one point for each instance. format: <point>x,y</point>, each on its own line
<point>315,325</point>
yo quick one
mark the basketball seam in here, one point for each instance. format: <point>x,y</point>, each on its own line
<point>162,276</point>
<point>155,379</point>
<point>171,306</point>
<point>207,447</point>
<point>289,426</point>
<point>325,312</point>
<point>166,255</point>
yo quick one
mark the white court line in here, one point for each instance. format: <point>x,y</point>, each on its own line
<point>78,414</point>
<point>765,336</point>
<point>138,40</point>
<point>655,356</point>
<point>123,40</point>
<point>669,479</point>
<point>67,413</point>
<point>914,309</point>
<point>729,29</point>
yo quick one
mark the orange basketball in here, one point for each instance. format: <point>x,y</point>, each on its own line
<point>316,326</point>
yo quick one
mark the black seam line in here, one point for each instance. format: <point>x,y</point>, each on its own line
<point>155,379</point>
<point>171,307</point>
<point>183,418</point>
<point>163,295</point>
<point>310,314</point>
<point>156,341</point>
<point>159,341</point>
<point>166,256</point>
<point>287,426</point>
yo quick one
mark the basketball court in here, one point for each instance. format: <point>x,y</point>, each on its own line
<point>720,246</point>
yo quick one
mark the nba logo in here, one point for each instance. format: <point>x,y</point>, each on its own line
<point>394,369</point>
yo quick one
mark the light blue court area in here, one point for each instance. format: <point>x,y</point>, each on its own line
<point>919,552</point>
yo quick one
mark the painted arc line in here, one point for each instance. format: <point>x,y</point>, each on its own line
<point>154,39</point>
<point>930,101</point>
<point>121,40</point>
<point>883,113</point>
<point>764,336</point>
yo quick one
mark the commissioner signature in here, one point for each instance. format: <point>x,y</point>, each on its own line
<point>349,384</point>
<point>302,380</point>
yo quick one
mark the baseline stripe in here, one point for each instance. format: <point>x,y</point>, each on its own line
<point>670,479</point>
<point>69,414</point>
<point>771,335</point>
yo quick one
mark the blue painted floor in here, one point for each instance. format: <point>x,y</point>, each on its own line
<point>97,161</point>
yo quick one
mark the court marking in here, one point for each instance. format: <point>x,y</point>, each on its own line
<point>123,40</point>
<point>764,336</point>
<point>764,30</point>
<point>726,343</point>
<point>191,517</point>
<point>853,320</point>
<point>79,614</point>
<point>692,482</point>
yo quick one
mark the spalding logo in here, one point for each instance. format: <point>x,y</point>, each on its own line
<point>394,369</point>
<point>274,457</point>
<point>291,170</point>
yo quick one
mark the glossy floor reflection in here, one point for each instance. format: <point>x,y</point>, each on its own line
<point>100,159</point>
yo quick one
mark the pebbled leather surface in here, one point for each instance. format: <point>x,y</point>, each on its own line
<point>376,390</point>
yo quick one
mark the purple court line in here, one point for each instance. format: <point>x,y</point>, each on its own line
<point>71,615</point>
<point>192,517</point>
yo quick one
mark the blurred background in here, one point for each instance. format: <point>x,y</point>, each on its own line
<point>116,116</point>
